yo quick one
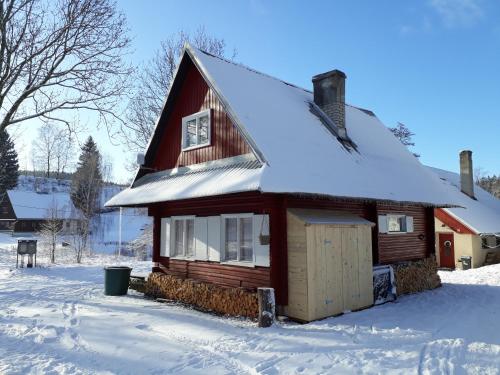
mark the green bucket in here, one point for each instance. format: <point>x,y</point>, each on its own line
<point>116,280</point>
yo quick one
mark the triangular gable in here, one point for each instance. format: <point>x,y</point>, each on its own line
<point>189,56</point>
<point>300,154</point>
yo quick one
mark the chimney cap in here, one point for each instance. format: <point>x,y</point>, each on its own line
<point>331,73</point>
<point>466,151</point>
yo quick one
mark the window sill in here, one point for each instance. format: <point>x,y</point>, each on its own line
<point>239,264</point>
<point>177,257</point>
<point>190,148</point>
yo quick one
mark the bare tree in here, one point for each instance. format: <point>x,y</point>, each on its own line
<point>50,230</point>
<point>154,82</point>
<point>63,153</point>
<point>405,135</point>
<point>58,57</point>
<point>44,146</point>
<point>141,245</point>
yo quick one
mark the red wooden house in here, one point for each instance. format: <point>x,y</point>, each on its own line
<point>236,152</point>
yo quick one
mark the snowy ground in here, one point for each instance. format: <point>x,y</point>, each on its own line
<point>57,320</point>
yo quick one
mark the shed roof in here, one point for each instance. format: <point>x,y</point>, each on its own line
<point>481,214</point>
<point>312,216</point>
<point>298,151</point>
<point>30,205</point>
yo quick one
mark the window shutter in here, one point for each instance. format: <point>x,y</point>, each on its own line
<point>214,238</point>
<point>165,237</point>
<point>409,224</point>
<point>382,224</point>
<point>201,238</point>
<point>261,240</point>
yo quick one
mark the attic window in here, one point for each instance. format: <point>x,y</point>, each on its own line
<point>196,130</point>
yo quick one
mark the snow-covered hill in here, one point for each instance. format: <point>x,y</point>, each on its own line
<point>105,227</point>
<point>57,320</point>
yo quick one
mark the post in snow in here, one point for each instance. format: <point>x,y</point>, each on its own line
<point>267,306</point>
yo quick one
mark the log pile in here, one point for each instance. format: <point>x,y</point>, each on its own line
<point>137,283</point>
<point>417,276</point>
<point>222,300</point>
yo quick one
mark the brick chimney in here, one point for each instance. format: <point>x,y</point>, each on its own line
<point>329,95</point>
<point>466,173</point>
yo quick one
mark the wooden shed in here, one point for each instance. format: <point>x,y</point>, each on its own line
<point>329,263</point>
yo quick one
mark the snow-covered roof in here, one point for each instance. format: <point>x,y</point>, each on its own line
<point>311,216</point>
<point>481,214</point>
<point>39,206</point>
<point>236,174</point>
<point>298,152</point>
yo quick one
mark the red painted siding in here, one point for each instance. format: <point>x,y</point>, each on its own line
<point>453,223</point>
<point>221,274</point>
<point>274,276</point>
<point>194,96</point>
<point>386,248</point>
<point>406,246</point>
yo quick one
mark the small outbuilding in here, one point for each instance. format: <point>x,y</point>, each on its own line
<point>329,263</point>
<point>472,230</point>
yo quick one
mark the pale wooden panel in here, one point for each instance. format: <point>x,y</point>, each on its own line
<point>297,269</point>
<point>311,271</point>
<point>333,261</point>
<point>350,284</point>
<point>365,267</point>
<point>321,272</point>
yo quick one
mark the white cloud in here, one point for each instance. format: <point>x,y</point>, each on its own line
<point>458,13</point>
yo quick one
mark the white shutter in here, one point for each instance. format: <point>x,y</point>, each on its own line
<point>409,224</point>
<point>261,251</point>
<point>201,238</point>
<point>165,237</point>
<point>214,238</point>
<point>382,224</point>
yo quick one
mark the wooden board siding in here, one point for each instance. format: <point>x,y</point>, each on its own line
<point>252,202</point>
<point>452,223</point>
<point>195,96</point>
<point>385,248</point>
<point>329,269</point>
<point>393,248</point>
<point>220,274</point>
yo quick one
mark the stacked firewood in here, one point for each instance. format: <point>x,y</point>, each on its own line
<point>137,283</point>
<point>417,276</point>
<point>222,300</point>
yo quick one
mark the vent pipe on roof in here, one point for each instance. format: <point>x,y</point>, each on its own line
<point>466,173</point>
<point>329,95</point>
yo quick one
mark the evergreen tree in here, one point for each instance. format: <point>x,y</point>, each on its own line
<point>9,166</point>
<point>87,180</point>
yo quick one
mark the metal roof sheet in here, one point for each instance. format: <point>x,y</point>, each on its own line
<point>237,174</point>
<point>311,216</point>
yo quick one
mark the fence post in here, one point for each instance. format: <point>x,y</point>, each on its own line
<point>267,306</point>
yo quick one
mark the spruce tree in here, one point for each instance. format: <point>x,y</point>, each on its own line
<point>9,166</point>
<point>87,180</point>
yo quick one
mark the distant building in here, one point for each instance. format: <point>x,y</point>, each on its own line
<point>473,229</point>
<point>25,211</point>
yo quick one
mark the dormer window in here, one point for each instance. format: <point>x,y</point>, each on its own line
<point>196,130</point>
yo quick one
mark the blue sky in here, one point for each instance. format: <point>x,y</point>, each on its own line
<point>433,64</point>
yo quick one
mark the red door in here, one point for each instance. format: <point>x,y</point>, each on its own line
<point>446,250</point>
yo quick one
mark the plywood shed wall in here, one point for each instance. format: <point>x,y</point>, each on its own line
<point>329,263</point>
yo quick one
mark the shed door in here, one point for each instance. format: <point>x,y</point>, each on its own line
<point>340,269</point>
<point>446,250</point>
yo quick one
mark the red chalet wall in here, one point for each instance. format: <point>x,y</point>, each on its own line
<point>194,96</point>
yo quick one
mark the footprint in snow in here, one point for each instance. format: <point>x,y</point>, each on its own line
<point>142,327</point>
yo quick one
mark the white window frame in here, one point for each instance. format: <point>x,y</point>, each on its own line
<point>196,116</point>
<point>398,216</point>
<point>184,237</point>
<point>238,262</point>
